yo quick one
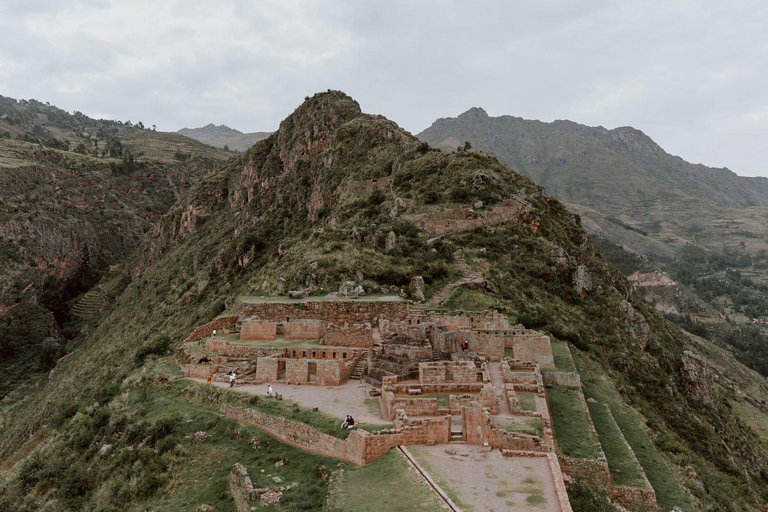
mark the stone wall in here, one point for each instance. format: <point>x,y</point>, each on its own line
<point>536,348</point>
<point>492,320</point>
<point>225,348</point>
<point>632,496</point>
<point>565,379</point>
<point>439,372</point>
<point>254,329</point>
<point>303,329</point>
<point>588,469</point>
<point>300,435</point>
<point>411,352</point>
<point>445,341</point>
<point>221,324</point>
<point>359,448</point>
<point>323,372</point>
<point>488,343</point>
<point>240,487</point>
<point>444,220</point>
<point>199,371</point>
<point>354,312</point>
<point>349,335</point>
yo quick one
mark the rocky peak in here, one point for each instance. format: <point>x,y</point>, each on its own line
<point>636,141</point>
<point>475,113</point>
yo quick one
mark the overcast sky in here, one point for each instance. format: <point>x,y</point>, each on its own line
<point>692,75</point>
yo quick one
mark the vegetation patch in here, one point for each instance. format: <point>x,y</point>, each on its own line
<point>388,484</point>
<point>571,424</point>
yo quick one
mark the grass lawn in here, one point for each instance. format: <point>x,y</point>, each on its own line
<point>669,493</point>
<point>443,399</point>
<point>388,484</point>
<point>469,300</point>
<point>621,461</point>
<point>529,426</point>
<point>571,423</point>
<point>562,358</point>
<point>527,400</point>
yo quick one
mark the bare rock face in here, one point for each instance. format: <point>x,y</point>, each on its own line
<point>348,289</point>
<point>416,288</point>
<point>699,378</point>
<point>635,323</point>
<point>582,281</point>
<point>298,294</point>
<point>389,244</point>
<point>559,257</point>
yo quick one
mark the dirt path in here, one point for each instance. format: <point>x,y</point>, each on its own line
<point>468,276</point>
<point>351,398</point>
<point>478,479</point>
<point>497,379</point>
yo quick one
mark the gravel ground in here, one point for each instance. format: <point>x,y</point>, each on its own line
<point>334,400</point>
<point>480,479</point>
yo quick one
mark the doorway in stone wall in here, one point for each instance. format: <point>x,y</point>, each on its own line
<point>281,370</point>
<point>311,372</point>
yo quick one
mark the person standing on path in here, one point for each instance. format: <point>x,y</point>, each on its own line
<point>232,379</point>
<point>269,390</point>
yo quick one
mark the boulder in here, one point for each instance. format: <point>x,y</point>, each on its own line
<point>582,281</point>
<point>389,243</point>
<point>298,294</point>
<point>700,379</point>
<point>635,323</point>
<point>348,289</point>
<point>416,288</point>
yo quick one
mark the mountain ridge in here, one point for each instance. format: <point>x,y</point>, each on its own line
<point>317,203</point>
<point>222,136</point>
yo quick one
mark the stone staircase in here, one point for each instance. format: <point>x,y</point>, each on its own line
<point>360,367</point>
<point>468,276</point>
<point>92,302</point>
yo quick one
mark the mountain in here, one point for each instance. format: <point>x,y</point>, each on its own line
<point>703,226</point>
<point>336,194</point>
<point>223,136</point>
<point>77,196</point>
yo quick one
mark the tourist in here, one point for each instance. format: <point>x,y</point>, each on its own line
<point>349,422</point>
<point>208,381</point>
<point>464,346</point>
<point>214,333</point>
<point>232,379</point>
<point>269,390</point>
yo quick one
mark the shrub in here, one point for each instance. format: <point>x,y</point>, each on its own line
<point>160,346</point>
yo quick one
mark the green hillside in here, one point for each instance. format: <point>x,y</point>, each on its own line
<point>311,206</point>
<point>77,196</point>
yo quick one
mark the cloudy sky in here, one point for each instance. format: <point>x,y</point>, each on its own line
<point>692,75</point>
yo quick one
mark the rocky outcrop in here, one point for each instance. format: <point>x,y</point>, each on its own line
<point>416,288</point>
<point>635,323</point>
<point>390,241</point>
<point>699,378</point>
<point>582,281</point>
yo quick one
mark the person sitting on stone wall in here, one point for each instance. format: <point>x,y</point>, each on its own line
<point>464,346</point>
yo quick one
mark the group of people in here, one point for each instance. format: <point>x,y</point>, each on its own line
<point>349,422</point>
